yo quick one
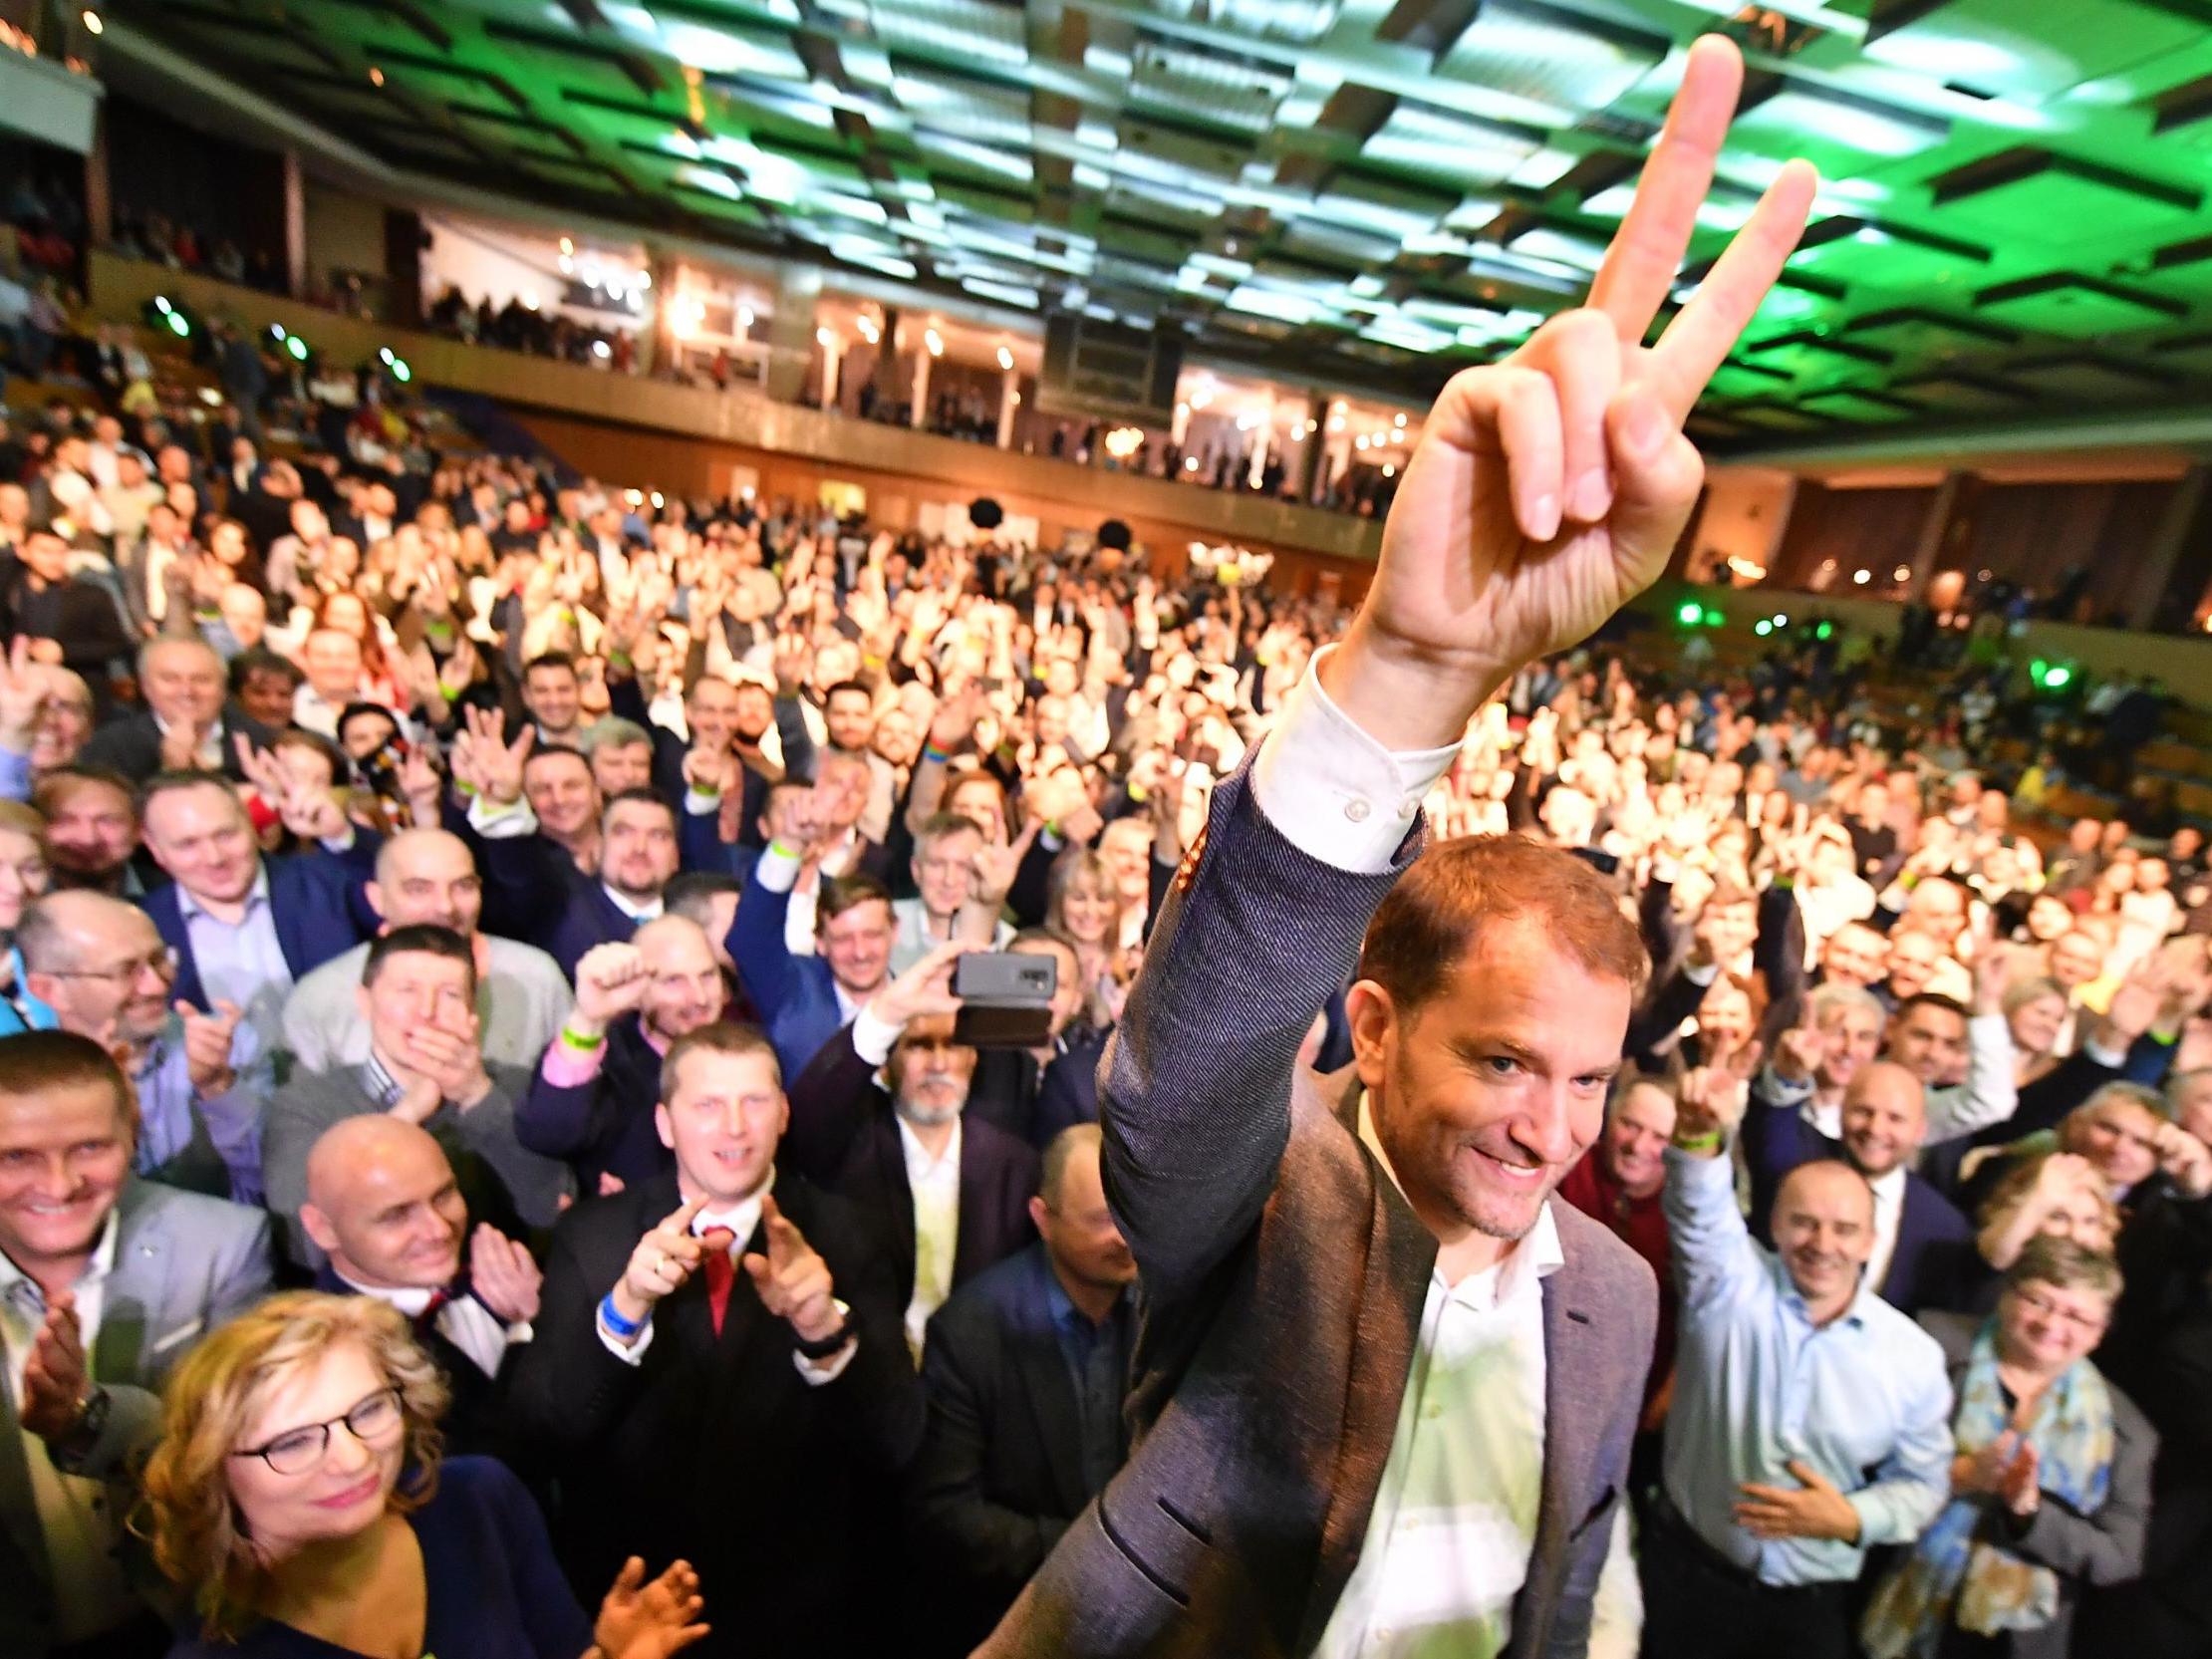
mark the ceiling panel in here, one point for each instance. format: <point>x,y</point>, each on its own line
<point>2012,214</point>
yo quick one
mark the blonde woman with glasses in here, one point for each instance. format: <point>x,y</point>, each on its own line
<point>297,1491</point>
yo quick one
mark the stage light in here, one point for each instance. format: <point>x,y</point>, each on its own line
<point>1763,628</point>
<point>1690,614</point>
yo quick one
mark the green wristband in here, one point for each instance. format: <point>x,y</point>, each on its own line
<point>581,1043</point>
<point>1710,1141</point>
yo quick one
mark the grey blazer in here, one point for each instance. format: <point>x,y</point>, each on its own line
<point>185,1263</point>
<point>2105,1547</point>
<point>1285,1279</point>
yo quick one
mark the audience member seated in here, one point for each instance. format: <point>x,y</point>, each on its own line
<point>385,1211</point>
<point>590,1097</point>
<point>762,1412</point>
<point>949,1198</point>
<point>1025,1370</point>
<point>186,725</point>
<point>428,876</point>
<point>2050,1484</point>
<point>426,1066</point>
<point>106,1282</point>
<point>1809,1421</point>
<point>298,1497</point>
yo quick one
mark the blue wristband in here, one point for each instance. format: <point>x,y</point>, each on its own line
<point>612,1315</point>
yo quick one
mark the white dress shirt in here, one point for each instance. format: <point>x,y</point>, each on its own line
<point>1455,1518</point>
<point>936,1186</point>
<point>77,1518</point>
<point>464,1321</point>
<point>1890,1209</point>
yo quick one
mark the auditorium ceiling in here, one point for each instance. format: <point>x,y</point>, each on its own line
<point>2014,220</point>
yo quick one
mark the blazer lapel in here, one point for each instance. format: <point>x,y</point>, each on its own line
<point>972,1250</point>
<point>137,1290</point>
<point>1397,1261</point>
<point>898,1197</point>
<point>1573,1354</point>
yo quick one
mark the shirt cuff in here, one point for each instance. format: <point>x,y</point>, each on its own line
<point>1331,790</point>
<point>338,843</point>
<point>1701,976</point>
<point>566,1066</point>
<point>817,1372</point>
<point>698,803</point>
<point>2110,1058</point>
<point>15,776</point>
<point>633,1353</point>
<point>777,869</point>
<point>1779,1089</point>
<point>500,823</point>
<point>874,1036</point>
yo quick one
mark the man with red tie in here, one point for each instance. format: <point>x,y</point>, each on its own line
<point>721,1318</point>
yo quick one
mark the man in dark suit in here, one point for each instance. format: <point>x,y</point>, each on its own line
<point>70,621</point>
<point>186,725</point>
<point>384,1209</point>
<point>589,1099</point>
<point>245,927</point>
<point>575,912</point>
<point>1312,1256</point>
<point>1924,1250</point>
<point>1024,1372</point>
<point>950,1196</point>
<point>698,1324</point>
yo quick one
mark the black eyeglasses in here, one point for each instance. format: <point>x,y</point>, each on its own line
<point>297,1450</point>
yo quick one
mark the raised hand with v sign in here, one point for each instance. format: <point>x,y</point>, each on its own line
<point>1549,488</point>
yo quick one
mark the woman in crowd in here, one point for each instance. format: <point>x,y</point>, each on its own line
<point>22,878</point>
<point>2054,1195</point>
<point>298,1495</point>
<point>2050,1483</point>
<point>2035,1014</point>
<point>1082,902</point>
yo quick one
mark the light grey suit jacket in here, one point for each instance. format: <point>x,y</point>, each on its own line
<point>185,1263</point>
<point>1284,1279</point>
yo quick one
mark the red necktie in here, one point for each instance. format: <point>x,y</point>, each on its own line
<point>721,1273</point>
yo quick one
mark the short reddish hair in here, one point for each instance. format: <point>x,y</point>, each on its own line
<point>1455,893</point>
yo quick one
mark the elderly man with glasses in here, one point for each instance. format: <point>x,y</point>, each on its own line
<point>201,1081</point>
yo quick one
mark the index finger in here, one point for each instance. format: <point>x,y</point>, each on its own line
<point>1640,265</point>
<point>683,1215</point>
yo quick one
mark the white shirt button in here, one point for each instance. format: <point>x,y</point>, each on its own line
<point>1356,810</point>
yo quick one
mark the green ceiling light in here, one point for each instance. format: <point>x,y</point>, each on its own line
<point>1824,631</point>
<point>178,327</point>
<point>297,347</point>
<point>1691,614</point>
<point>2058,678</point>
<point>1763,628</point>
<point>1714,618</point>
<point>400,371</point>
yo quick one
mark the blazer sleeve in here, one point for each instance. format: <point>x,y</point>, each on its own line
<point>1194,1100</point>
<point>755,944</point>
<point>954,1521</point>
<point>831,1103</point>
<point>1777,954</point>
<point>560,1120</point>
<point>567,1387</point>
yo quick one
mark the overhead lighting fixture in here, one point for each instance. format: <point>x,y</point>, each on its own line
<point>1005,358</point>
<point>297,347</point>
<point>375,75</point>
<point>1398,421</point>
<point>934,342</point>
<point>602,351</point>
<point>567,246</point>
<point>1862,577</point>
<point>568,265</point>
<point>745,317</point>
<point>823,337</point>
<point>1903,573</point>
<point>93,25</point>
<point>654,499</point>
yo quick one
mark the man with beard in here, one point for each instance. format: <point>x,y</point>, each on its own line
<point>1810,1420</point>
<point>953,1194</point>
<point>1923,1248</point>
<point>91,832</point>
<point>426,875</point>
<point>587,1099</point>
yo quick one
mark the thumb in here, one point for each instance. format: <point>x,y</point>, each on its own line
<point>1656,477</point>
<point>629,1578</point>
<point>757,1269</point>
<point>184,1012</point>
<point>228,1013</point>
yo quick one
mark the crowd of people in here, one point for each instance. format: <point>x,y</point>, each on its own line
<point>586,1079</point>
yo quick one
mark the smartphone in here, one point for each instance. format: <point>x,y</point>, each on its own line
<point>1006,999</point>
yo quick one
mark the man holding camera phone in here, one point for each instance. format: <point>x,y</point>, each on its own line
<point>950,1191</point>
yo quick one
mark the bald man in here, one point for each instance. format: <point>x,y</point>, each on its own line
<point>428,875</point>
<point>186,722</point>
<point>1921,1254</point>
<point>1811,1419</point>
<point>591,1100</point>
<point>384,1209</point>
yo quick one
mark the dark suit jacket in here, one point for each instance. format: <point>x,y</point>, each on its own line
<point>713,1447</point>
<point>534,889</point>
<point>796,995</point>
<point>604,1126</point>
<point>1935,1260</point>
<point>1068,1094</point>
<point>315,897</point>
<point>2105,1547</point>
<point>844,1136</point>
<point>1285,1279</point>
<point>131,745</point>
<point>1000,1475</point>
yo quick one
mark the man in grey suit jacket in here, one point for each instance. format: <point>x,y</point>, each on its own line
<point>1384,1388</point>
<point>92,1258</point>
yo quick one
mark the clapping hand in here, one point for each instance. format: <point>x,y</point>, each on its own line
<point>24,688</point>
<point>55,1377</point>
<point>1549,488</point>
<point>505,1275</point>
<point>641,1621</point>
<point>793,1280</point>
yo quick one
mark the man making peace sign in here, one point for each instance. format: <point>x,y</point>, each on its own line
<point>1385,1389</point>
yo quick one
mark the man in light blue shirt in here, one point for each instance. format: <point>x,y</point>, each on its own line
<point>1810,1420</point>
